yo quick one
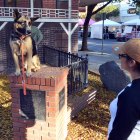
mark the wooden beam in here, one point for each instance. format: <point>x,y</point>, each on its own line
<point>90,2</point>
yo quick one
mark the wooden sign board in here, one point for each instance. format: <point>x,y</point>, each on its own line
<point>131,11</point>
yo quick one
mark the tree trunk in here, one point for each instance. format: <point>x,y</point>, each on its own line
<point>85,29</point>
<point>90,12</point>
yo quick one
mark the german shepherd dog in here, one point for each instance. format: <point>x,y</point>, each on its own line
<point>21,35</point>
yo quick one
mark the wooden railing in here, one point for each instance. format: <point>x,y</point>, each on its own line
<point>7,12</point>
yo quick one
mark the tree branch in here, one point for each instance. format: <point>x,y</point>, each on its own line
<point>101,7</point>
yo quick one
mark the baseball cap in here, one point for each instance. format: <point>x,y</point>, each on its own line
<point>131,48</point>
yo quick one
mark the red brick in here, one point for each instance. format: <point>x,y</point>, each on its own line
<point>30,136</point>
<point>43,88</point>
<point>50,99</point>
<point>15,119</point>
<point>43,81</point>
<point>11,79</point>
<point>14,91</point>
<point>26,130</point>
<point>19,134</point>
<point>12,85</point>
<point>16,129</point>
<point>37,137</point>
<point>51,120</point>
<point>50,134</point>
<point>38,126</point>
<point>51,93</point>
<point>51,124</point>
<point>46,138</point>
<point>15,100</point>
<point>52,82</point>
<point>22,130</point>
<point>38,81</point>
<point>49,88</point>
<point>29,80</point>
<point>19,79</point>
<point>21,120</point>
<point>44,126</point>
<point>15,95</point>
<point>30,129</point>
<point>18,124</point>
<point>51,109</point>
<point>30,123</point>
<point>15,110</point>
<point>15,137</point>
<point>15,79</point>
<point>32,87</point>
<point>48,82</point>
<point>60,86</point>
<point>51,104</point>
<point>15,85</point>
<point>51,114</point>
<point>24,138</point>
<point>15,105</point>
<point>33,81</point>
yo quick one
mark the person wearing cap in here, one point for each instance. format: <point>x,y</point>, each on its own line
<point>125,108</point>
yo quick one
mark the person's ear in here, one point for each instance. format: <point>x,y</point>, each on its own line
<point>132,63</point>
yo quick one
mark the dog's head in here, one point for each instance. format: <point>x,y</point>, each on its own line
<point>22,23</point>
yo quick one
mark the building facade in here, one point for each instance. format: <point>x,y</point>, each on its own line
<point>58,23</point>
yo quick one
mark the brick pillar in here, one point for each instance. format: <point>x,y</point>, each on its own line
<point>41,114</point>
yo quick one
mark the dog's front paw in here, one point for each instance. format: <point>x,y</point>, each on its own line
<point>28,73</point>
<point>17,73</point>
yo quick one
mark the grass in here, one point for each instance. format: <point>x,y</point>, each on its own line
<point>5,109</point>
<point>90,124</point>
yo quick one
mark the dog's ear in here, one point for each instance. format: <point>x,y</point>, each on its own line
<point>16,14</point>
<point>34,18</point>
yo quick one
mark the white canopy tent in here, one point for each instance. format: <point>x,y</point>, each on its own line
<point>96,28</point>
<point>107,22</point>
<point>135,33</point>
<point>132,22</point>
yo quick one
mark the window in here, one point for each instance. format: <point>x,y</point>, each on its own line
<point>22,3</point>
<point>10,3</point>
<point>61,4</point>
<point>38,3</point>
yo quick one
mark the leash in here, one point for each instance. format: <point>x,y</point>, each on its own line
<point>23,71</point>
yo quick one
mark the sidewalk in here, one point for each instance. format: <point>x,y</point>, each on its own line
<point>95,59</point>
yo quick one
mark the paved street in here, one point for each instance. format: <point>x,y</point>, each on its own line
<point>95,55</point>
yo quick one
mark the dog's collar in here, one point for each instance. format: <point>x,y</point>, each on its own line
<point>15,35</point>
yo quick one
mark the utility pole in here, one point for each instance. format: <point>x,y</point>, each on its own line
<point>103,18</point>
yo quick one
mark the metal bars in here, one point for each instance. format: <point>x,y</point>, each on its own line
<point>78,67</point>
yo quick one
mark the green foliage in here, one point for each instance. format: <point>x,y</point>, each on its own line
<point>109,11</point>
<point>137,2</point>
